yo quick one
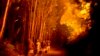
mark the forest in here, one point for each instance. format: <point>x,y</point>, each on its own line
<point>48,27</point>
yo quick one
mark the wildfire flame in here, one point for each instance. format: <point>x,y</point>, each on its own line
<point>76,16</point>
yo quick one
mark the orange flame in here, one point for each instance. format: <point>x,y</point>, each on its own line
<point>77,17</point>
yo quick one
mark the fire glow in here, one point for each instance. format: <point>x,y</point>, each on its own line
<point>39,21</point>
<point>76,16</point>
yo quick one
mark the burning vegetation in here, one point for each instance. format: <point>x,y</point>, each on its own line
<point>76,16</point>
